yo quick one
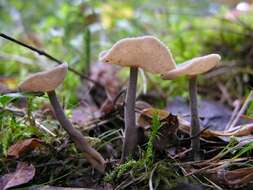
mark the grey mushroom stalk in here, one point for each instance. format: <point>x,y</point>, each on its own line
<point>147,53</point>
<point>48,81</point>
<point>192,69</point>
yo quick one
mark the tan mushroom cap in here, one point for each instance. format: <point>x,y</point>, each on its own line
<point>44,81</point>
<point>194,66</point>
<point>146,52</point>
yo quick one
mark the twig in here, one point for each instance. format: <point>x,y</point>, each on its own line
<point>242,110</point>
<point>214,184</point>
<point>150,184</point>
<point>116,98</point>
<point>43,53</point>
<point>237,105</point>
<point>44,128</point>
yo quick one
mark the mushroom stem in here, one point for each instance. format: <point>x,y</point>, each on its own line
<point>130,140</point>
<point>195,125</point>
<point>81,144</point>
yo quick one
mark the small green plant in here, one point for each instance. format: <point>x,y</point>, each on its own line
<point>7,98</point>
<point>148,156</point>
<point>246,149</point>
<point>146,161</point>
<point>13,128</point>
<point>11,131</point>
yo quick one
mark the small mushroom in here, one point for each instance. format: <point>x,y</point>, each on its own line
<point>48,81</point>
<point>192,68</point>
<point>148,53</point>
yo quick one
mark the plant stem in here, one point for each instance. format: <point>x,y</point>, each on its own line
<point>81,144</point>
<point>195,125</point>
<point>41,52</point>
<point>130,140</point>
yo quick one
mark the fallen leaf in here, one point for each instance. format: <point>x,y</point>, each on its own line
<point>23,174</point>
<point>239,131</point>
<point>145,117</point>
<point>23,146</point>
<point>168,130</point>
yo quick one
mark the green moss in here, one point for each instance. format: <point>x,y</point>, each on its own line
<point>145,162</point>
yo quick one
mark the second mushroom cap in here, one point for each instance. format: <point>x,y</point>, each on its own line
<point>146,52</point>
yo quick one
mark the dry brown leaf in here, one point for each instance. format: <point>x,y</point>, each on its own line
<point>23,174</point>
<point>167,131</point>
<point>244,130</point>
<point>145,117</point>
<point>239,131</point>
<point>23,146</point>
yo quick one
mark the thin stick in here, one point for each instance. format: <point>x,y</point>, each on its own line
<point>44,128</point>
<point>43,53</point>
<point>130,140</point>
<point>150,184</point>
<point>242,110</point>
<point>237,105</point>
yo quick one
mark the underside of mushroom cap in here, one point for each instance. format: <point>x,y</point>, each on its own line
<point>146,52</point>
<point>44,81</point>
<point>193,67</point>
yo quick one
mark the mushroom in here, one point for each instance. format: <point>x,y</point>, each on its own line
<point>148,53</point>
<point>48,81</point>
<point>192,68</point>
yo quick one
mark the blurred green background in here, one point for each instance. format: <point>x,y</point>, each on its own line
<point>75,31</point>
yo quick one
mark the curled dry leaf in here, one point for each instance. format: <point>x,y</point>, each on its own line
<point>168,130</point>
<point>23,146</point>
<point>145,118</point>
<point>239,131</point>
<point>23,174</point>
